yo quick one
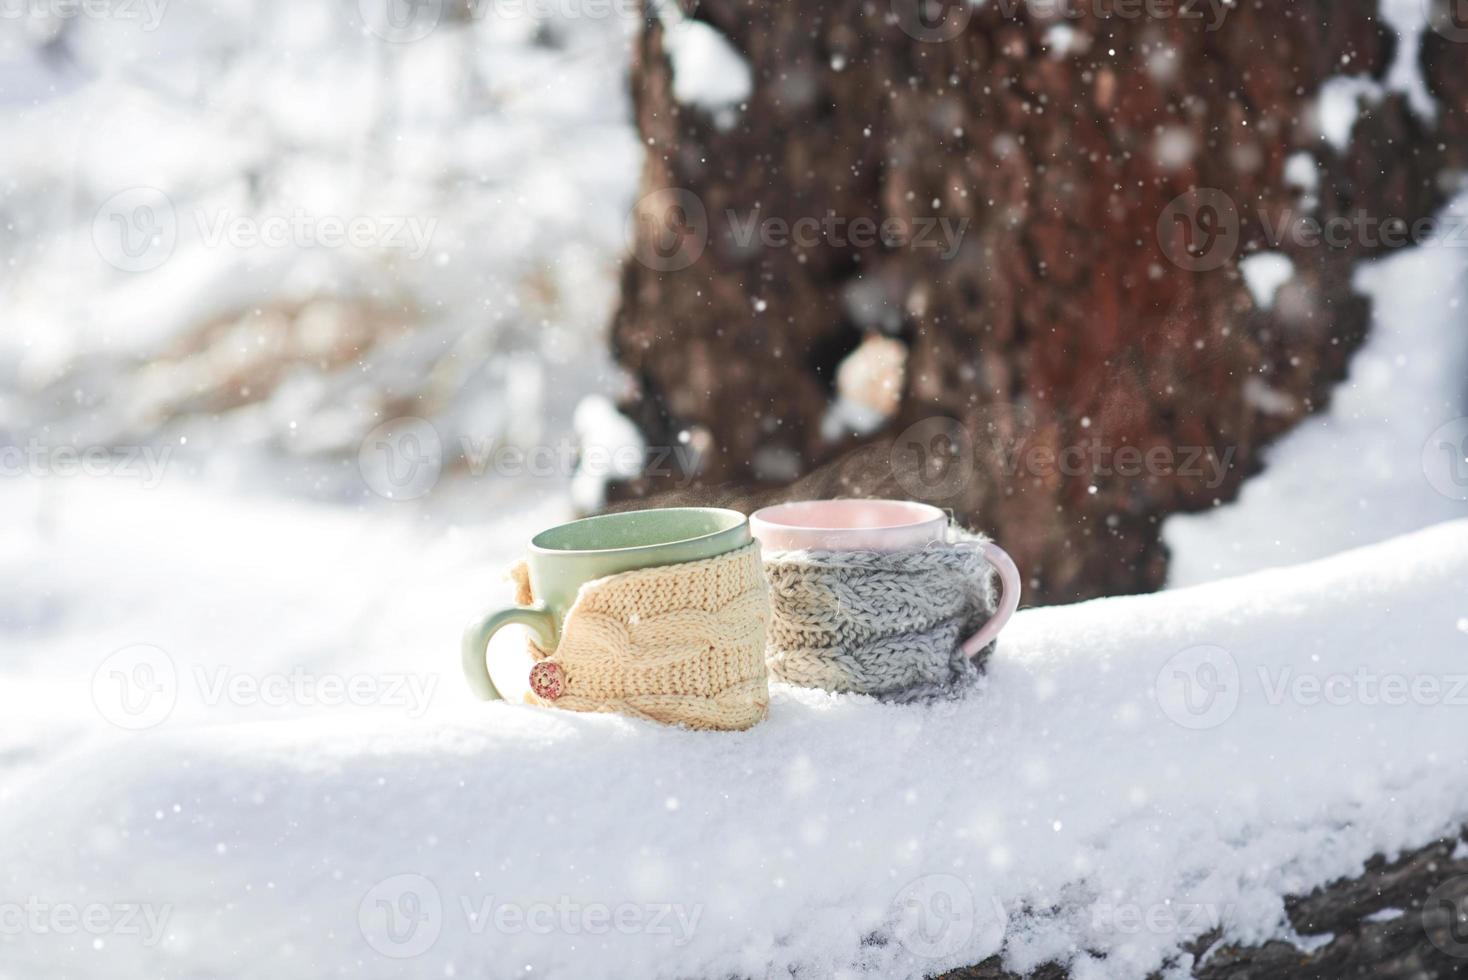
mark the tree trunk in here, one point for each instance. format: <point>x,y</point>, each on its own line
<point>1084,357</point>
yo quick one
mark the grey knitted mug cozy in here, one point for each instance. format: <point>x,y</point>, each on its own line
<point>890,624</point>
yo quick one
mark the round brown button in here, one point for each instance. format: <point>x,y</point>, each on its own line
<point>548,680</point>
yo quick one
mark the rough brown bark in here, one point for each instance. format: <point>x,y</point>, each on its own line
<point>1061,321</point>
<point>1428,941</point>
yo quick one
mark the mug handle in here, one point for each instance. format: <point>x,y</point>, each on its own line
<point>1009,589</point>
<point>476,640</point>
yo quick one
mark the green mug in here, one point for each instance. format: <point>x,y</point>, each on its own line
<point>563,558</point>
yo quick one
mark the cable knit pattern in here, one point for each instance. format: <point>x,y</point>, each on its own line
<point>891,624</point>
<point>681,644</point>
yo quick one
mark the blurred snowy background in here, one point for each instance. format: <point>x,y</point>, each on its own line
<point>248,232</point>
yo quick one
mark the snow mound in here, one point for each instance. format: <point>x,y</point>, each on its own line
<point>1369,466</point>
<point>708,71</point>
<point>1131,772</point>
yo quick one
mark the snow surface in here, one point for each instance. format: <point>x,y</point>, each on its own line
<point>708,71</point>
<point>1368,467</point>
<point>1338,105</point>
<point>1186,757</point>
<point>1064,40</point>
<point>1302,171</point>
<point>1264,273</point>
<point>1409,19</point>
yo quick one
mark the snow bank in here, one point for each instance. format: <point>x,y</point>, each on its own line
<point>1368,467</point>
<point>1186,757</point>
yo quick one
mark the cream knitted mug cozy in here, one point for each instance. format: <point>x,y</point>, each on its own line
<point>680,644</point>
<point>890,624</point>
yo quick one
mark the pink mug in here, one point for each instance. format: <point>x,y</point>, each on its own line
<point>879,525</point>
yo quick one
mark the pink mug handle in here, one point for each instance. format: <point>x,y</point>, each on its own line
<point>1009,588</point>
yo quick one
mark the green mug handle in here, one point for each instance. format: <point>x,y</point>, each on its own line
<point>476,640</point>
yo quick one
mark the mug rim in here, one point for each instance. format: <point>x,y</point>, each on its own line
<point>739,520</point>
<point>933,514</point>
